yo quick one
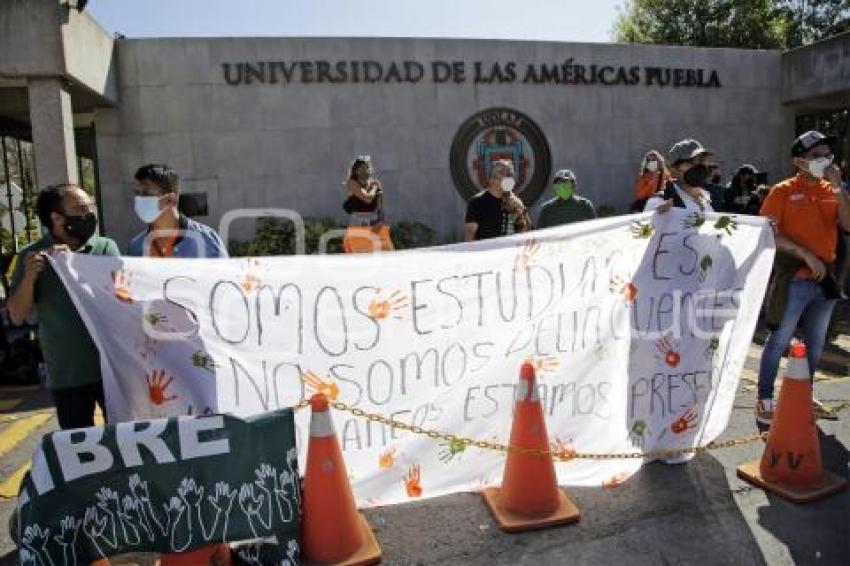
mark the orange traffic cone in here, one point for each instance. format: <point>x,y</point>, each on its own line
<point>791,464</point>
<point>332,531</point>
<point>529,497</point>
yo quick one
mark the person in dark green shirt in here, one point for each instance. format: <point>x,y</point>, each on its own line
<point>71,357</point>
<point>567,206</point>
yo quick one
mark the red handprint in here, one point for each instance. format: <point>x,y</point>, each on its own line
<point>157,384</point>
<point>667,347</point>
<point>686,422</point>
<point>413,481</point>
<point>121,286</point>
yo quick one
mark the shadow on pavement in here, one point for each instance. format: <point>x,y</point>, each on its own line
<point>809,530</point>
<point>682,514</point>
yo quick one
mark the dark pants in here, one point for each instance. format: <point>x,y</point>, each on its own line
<point>75,405</point>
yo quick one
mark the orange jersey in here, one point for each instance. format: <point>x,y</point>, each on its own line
<point>649,183</point>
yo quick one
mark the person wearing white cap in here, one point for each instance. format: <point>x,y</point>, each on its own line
<point>687,161</point>
<point>567,206</point>
<point>496,211</point>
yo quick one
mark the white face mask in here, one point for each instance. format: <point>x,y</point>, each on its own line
<point>652,166</point>
<point>508,184</point>
<point>817,167</point>
<point>147,208</point>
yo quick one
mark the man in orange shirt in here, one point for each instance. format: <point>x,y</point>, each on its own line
<point>805,210</point>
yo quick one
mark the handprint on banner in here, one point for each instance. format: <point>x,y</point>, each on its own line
<point>527,254</point>
<point>382,307</point>
<point>642,230</point>
<point>292,464</point>
<point>704,265</point>
<point>109,500</point>
<point>686,422</point>
<point>327,388</point>
<point>622,286</point>
<point>157,384</point>
<point>251,505</point>
<point>27,558</point>
<point>121,280</point>
<point>35,540</point>
<point>95,526</point>
<point>562,451</point>
<point>616,480</point>
<point>222,502</point>
<point>136,511</point>
<point>202,360</point>
<point>251,276</point>
<point>108,505</point>
<point>155,318</point>
<point>712,347</point>
<point>667,346</point>
<point>192,496</point>
<point>450,449</point>
<point>693,220</point>
<point>600,352</point>
<point>67,539</point>
<point>637,434</point>
<point>413,481</point>
<point>387,458</point>
<point>267,481</point>
<point>726,224</point>
<point>250,553</point>
<point>545,365</point>
<point>148,347</point>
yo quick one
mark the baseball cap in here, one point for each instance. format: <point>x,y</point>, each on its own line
<point>807,141</point>
<point>747,168</point>
<point>685,150</point>
<point>565,175</point>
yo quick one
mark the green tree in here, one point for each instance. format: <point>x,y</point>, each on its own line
<point>754,24</point>
<point>806,21</point>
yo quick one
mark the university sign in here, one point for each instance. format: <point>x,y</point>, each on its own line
<point>568,72</point>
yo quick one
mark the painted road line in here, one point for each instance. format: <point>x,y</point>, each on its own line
<point>11,486</point>
<point>7,405</point>
<point>18,430</point>
<point>18,417</point>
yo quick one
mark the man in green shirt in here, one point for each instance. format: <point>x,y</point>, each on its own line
<point>567,206</point>
<point>73,365</point>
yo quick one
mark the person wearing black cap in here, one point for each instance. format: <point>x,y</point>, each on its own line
<point>740,190</point>
<point>806,211</point>
<point>687,161</point>
<point>567,207</point>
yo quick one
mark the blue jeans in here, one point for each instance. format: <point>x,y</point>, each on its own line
<point>810,310</point>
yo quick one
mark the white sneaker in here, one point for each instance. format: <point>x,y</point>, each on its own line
<point>764,411</point>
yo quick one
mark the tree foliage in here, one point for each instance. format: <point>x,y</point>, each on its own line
<point>754,24</point>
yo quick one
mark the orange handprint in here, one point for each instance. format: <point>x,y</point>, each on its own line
<point>251,279</point>
<point>387,459</point>
<point>412,481</point>
<point>625,288</point>
<point>545,364</point>
<point>615,480</point>
<point>526,256</point>
<point>667,347</point>
<point>380,308</point>
<point>327,388</point>
<point>157,384</point>
<point>121,286</point>
<point>686,422</point>
<point>562,451</point>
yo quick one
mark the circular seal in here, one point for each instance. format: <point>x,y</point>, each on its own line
<point>500,133</point>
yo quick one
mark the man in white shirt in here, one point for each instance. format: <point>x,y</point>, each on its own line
<point>687,160</point>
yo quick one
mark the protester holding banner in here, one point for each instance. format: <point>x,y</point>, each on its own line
<point>496,211</point>
<point>806,211</point>
<point>739,192</point>
<point>367,228</point>
<point>73,365</point>
<point>687,160</point>
<point>652,177</point>
<point>567,207</point>
<point>169,233</point>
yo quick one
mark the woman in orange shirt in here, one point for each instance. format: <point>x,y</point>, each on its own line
<point>652,177</point>
<point>367,228</point>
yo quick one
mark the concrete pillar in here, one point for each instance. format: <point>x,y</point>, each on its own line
<point>52,122</point>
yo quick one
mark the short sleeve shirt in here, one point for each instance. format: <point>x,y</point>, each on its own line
<point>560,211</point>
<point>691,204</point>
<point>806,212</point>
<point>192,240</point>
<point>70,354</point>
<point>487,211</point>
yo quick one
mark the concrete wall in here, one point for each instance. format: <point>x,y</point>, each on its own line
<point>818,70</point>
<point>29,38</point>
<point>88,52</point>
<point>288,146</point>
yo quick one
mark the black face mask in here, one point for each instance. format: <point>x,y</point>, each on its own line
<point>696,176</point>
<point>81,227</point>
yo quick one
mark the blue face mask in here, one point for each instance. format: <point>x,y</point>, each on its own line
<point>147,208</point>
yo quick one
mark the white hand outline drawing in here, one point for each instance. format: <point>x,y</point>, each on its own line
<point>139,490</point>
<point>174,510</point>
<point>222,502</point>
<point>67,538</point>
<point>292,464</point>
<point>251,505</point>
<point>135,512</point>
<point>109,500</point>
<point>267,481</point>
<point>286,479</point>
<point>94,525</point>
<point>250,553</point>
<point>35,540</point>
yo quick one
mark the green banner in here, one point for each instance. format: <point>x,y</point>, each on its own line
<point>165,485</point>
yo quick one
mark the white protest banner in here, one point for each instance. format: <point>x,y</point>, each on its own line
<point>639,327</point>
